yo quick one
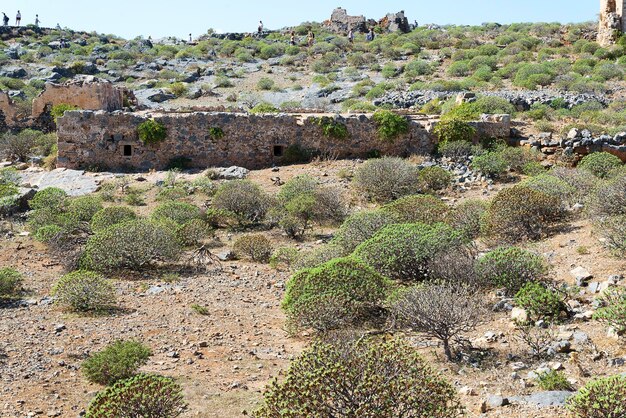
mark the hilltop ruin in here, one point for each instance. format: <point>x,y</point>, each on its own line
<point>612,21</point>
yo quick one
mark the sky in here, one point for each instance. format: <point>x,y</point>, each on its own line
<point>159,18</point>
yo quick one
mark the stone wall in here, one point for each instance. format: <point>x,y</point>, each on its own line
<point>341,22</point>
<point>8,112</point>
<point>109,140</point>
<point>612,21</point>
<point>89,93</point>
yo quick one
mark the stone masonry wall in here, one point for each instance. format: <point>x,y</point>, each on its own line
<point>8,111</point>
<point>110,140</point>
<point>612,21</point>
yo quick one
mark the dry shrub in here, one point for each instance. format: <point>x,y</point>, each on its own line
<point>255,247</point>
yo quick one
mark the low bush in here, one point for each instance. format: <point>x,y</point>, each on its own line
<point>403,252</point>
<point>417,209</point>
<point>110,216</point>
<point>50,198</point>
<point>318,256</point>
<point>192,232</point>
<point>450,130</point>
<point>255,247</point>
<point>10,281</point>
<point>539,301</point>
<point>613,311</point>
<point>151,132</point>
<point>601,398</point>
<point>131,245</point>
<point>143,395</point>
<point>340,293</point>
<point>283,256</point>
<point>360,227</point>
<point>511,268</point>
<point>579,180</point>
<point>264,108</point>
<point>84,291</point>
<point>467,217</point>
<point>366,378</point>
<point>553,380</point>
<point>434,178</point>
<point>491,164</point>
<point>608,199</point>
<point>552,186</point>
<point>178,212</point>
<point>265,84</point>
<point>390,125</point>
<point>456,150</point>
<point>119,360</point>
<point>82,209</point>
<point>242,198</point>
<point>387,178</point>
<point>600,164</point>
<point>520,213</point>
<point>613,230</point>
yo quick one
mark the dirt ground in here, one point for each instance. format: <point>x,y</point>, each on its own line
<point>225,358</point>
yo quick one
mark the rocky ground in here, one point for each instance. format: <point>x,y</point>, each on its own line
<point>224,358</point>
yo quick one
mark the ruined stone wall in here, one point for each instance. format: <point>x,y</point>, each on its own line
<point>612,21</point>
<point>87,93</point>
<point>100,139</point>
<point>8,112</point>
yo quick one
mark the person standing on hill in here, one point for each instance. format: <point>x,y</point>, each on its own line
<point>260,29</point>
<point>351,36</point>
<point>5,19</point>
<point>292,39</point>
<point>18,18</point>
<point>311,38</point>
<point>37,21</point>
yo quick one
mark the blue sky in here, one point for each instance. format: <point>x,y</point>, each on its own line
<point>130,18</point>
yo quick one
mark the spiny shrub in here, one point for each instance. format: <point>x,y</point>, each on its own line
<point>467,217</point>
<point>452,129</point>
<point>367,378</point>
<point>511,268</point>
<point>318,256</point>
<point>491,164</point>
<point>539,301</point>
<point>141,396</point>
<point>390,125</point>
<point>151,132</point>
<point>131,245</point>
<point>333,128</point>
<point>580,180</point>
<point>242,198</point>
<point>608,198</point>
<point>552,186</point>
<point>83,291</point>
<point>360,227</point>
<point>614,310</point>
<point>387,178</point>
<point>601,398</point>
<point>403,251</point>
<point>417,209</point>
<point>178,212</point>
<point>613,229</point>
<point>10,281</point>
<point>83,208</point>
<point>456,150</point>
<point>600,164</point>
<point>337,294</point>
<point>519,213</point>
<point>192,232</point>
<point>51,198</point>
<point>434,178</point>
<point>113,215</point>
<point>255,247</point>
<point>119,360</point>
<point>283,256</point>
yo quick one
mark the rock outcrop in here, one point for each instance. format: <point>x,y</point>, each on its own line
<point>395,22</point>
<point>612,21</point>
<point>340,22</point>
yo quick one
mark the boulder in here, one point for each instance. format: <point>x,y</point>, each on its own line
<point>232,173</point>
<point>544,399</point>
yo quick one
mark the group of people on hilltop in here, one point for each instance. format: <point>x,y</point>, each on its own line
<point>310,39</point>
<point>18,19</point>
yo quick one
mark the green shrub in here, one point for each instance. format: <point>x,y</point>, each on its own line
<point>425,209</point>
<point>552,186</point>
<point>113,215</point>
<point>151,132</point>
<point>491,164</point>
<point>539,301</point>
<point>215,132</point>
<point>553,380</point>
<point>10,281</point>
<point>178,212</point>
<point>140,396</point>
<point>50,198</point>
<point>318,256</point>
<point>614,310</point>
<point>192,232</point>
<point>59,110</point>
<point>520,213</point>
<point>82,209</point>
<point>601,398</point>
<point>265,84</point>
<point>264,108</point>
<point>131,245</point>
<point>390,125</point>
<point>583,184</point>
<point>368,378</point>
<point>600,164</point>
<point>511,268</point>
<point>242,198</point>
<point>435,178</point>
<point>387,178</point>
<point>255,247</point>
<point>467,217</point>
<point>452,129</point>
<point>47,233</point>
<point>84,291</point>
<point>339,293</point>
<point>455,150</point>
<point>283,255</point>
<point>119,360</point>
<point>333,128</point>
<point>404,251</point>
<point>608,198</point>
<point>533,168</point>
<point>360,227</point>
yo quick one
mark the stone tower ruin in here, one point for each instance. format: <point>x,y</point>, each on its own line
<point>612,21</point>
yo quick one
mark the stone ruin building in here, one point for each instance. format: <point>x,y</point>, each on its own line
<point>612,21</point>
<point>341,22</point>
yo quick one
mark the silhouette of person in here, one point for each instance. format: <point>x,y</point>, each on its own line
<point>5,19</point>
<point>37,21</point>
<point>18,18</point>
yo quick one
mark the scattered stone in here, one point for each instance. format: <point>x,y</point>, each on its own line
<point>493,402</point>
<point>544,399</point>
<point>519,315</point>
<point>232,173</point>
<point>226,255</point>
